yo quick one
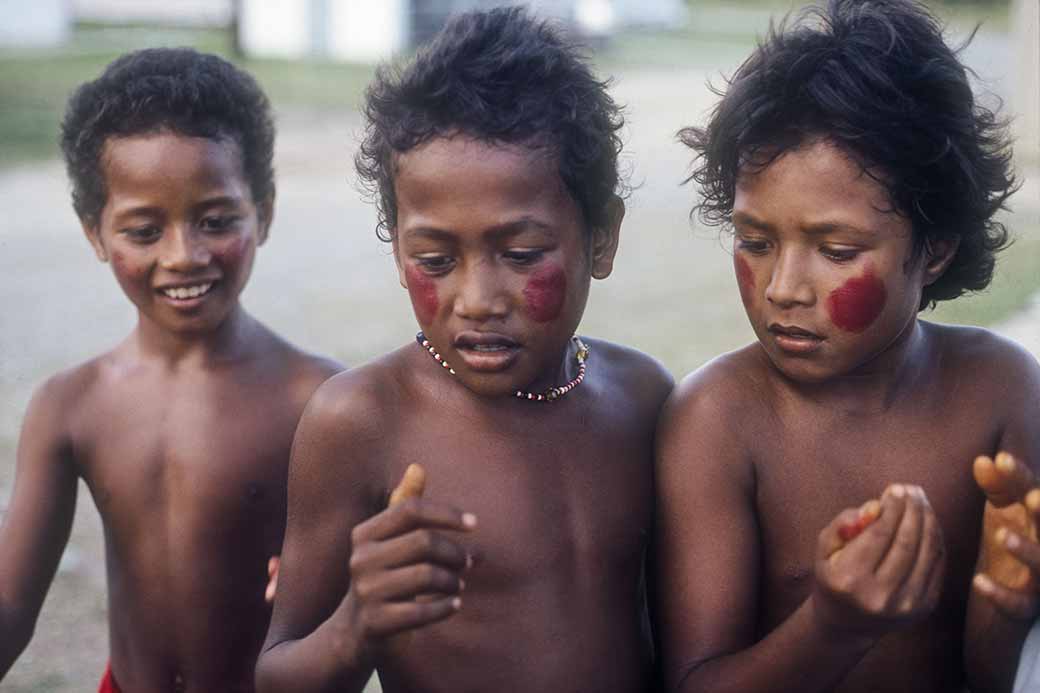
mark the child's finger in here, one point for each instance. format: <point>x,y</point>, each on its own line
<point>409,582</point>
<point>1026,551</point>
<point>1003,479</point>
<point>420,546</point>
<point>396,617</point>
<point>896,565</point>
<point>273,564</point>
<point>412,485</point>
<point>409,515</point>
<point>1015,604</point>
<point>930,559</point>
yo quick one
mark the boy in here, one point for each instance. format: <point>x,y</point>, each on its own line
<point>494,155</point>
<point>182,432</point>
<point>861,179</point>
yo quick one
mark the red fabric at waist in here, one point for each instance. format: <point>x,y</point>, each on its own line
<point>108,683</point>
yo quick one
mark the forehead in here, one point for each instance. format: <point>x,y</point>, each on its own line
<point>168,161</point>
<point>816,184</point>
<point>460,182</point>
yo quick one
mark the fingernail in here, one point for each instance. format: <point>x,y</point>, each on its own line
<point>898,491</point>
<point>1011,541</point>
<point>469,561</point>
<point>983,583</point>
<point>456,603</point>
<point>1005,462</point>
<point>469,520</point>
<point>1001,535</point>
<point>462,584</point>
<point>1033,500</point>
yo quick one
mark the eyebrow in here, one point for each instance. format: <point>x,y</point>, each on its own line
<point>504,230</point>
<point>818,229</point>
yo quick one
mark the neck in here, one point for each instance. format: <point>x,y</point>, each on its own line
<point>228,341</point>
<point>876,385</point>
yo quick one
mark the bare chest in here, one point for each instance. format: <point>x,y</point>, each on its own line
<point>807,476</point>
<point>548,507</point>
<point>214,455</point>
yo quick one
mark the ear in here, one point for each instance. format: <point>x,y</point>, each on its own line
<point>93,235</point>
<point>397,259</point>
<point>264,216</point>
<point>605,240</point>
<point>938,254</point>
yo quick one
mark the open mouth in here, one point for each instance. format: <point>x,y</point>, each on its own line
<point>485,351</point>
<point>794,339</point>
<point>187,293</point>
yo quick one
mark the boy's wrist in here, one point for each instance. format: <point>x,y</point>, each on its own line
<point>830,632</point>
<point>348,643</point>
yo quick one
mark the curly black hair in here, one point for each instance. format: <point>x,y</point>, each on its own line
<point>503,77</point>
<point>174,89</point>
<point>876,78</point>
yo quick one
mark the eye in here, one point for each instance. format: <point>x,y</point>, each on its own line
<point>217,224</point>
<point>142,234</point>
<point>523,257</point>
<point>839,254</point>
<point>753,246</point>
<point>435,264</point>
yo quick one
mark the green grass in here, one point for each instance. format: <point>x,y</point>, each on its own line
<point>1015,281</point>
<point>35,85</point>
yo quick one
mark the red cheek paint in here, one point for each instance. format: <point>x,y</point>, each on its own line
<point>423,292</point>
<point>856,304</point>
<point>745,280</point>
<point>545,292</point>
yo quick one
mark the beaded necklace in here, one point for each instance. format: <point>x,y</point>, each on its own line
<point>550,395</point>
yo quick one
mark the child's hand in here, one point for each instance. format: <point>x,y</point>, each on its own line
<point>1008,569</point>
<point>888,575</point>
<point>405,573</point>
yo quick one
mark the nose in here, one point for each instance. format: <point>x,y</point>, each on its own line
<point>789,284</point>
<point>480,295</point>
<point>183,250</point>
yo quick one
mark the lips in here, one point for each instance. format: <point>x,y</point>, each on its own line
<point>187,293</point>
<point>794,339</point>
<point>486,351</point>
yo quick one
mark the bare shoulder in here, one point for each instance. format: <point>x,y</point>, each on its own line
<point>630,371</point>
<point>999,365</point>
<point>728,388</point>
<point>352,411</point>
<point>710,416</point>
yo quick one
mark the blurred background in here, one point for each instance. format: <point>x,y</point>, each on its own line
<point>324,280</point>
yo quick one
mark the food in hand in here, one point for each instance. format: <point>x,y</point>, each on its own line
<point>412,485</point>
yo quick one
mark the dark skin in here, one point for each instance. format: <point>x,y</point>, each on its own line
<point>766,453</point>
<point>182,432</point>
<point>521,568</point>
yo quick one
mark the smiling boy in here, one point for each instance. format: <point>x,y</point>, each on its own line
<point>181,432</point>
<point>861,180</point>
<point>494,156</point>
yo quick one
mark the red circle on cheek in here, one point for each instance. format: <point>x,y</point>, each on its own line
<point>745,280</point>
<point>545,292</point>
<point>423,292</point>
<point>856,304</point>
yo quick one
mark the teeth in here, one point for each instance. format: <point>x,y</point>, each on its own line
<point>488,347</point>
<point>186,292</point>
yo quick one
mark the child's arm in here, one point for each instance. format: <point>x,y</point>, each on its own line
<point>38,520</point>
<point>346,583</point>
<point>1004,600</point>
<point>709,573</point>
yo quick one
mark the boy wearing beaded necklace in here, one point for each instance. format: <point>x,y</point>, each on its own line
<point>861,179</point>
<point>494,156</point>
